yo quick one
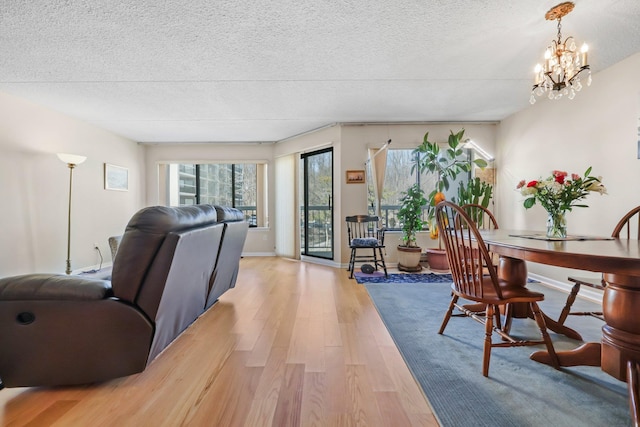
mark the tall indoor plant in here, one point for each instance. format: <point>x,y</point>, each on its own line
<point>410,216</point>
<point>446,164</point>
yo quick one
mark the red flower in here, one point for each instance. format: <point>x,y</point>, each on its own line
<point>532,183</point>
<point>559,176</point>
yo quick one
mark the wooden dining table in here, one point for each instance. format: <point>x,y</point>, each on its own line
<point>618,353</point>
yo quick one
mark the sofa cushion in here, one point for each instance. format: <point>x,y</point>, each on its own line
<point>227,214</point>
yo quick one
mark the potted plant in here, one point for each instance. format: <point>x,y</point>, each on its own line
<point>410,217</point>
<point>446,164</point>
<point>475,192</point>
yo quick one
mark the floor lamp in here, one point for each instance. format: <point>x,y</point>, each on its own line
<point>71,160</point>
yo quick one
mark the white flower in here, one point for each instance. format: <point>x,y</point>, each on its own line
<point>597,186</point>
<point>528,191</point>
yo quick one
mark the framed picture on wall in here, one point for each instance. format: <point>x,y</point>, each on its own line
<point>355,177</point>
<point>116,177</point>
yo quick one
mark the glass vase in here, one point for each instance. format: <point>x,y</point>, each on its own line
<point>556,225</point>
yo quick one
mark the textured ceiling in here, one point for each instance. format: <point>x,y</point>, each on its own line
<point>259,70</point>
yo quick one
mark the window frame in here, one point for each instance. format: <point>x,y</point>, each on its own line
<point>174,182</point>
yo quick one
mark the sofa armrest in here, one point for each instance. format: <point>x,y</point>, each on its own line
<point>114,243</point>
<point>39,287</point>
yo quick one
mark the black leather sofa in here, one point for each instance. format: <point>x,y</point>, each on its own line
<point>172,264</point>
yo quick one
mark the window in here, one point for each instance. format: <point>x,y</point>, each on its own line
<point>398,178</point>
<point>225,184</point>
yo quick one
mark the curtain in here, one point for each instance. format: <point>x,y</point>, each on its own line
<point>285,199</point>
<point>378,164</point>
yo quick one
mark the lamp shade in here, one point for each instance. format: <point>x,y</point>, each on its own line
<point>73,159</point>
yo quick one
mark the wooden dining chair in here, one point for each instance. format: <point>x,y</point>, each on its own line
<point>629,227</point>
<point>366,241</point>
<point>484,219</point>
<point>475,279</point>
<point>481,216</point>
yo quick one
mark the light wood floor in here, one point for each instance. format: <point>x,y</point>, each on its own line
<point>294,344</point>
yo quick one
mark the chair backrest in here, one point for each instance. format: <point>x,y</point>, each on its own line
<point>629,224</point>
<point>481,216</point>
<point>364,226</point>
<point>469,259</point>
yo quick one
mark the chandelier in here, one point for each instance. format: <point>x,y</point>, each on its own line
<point>559,74</point>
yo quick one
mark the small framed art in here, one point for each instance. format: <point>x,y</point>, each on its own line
<point>116,177</point>
<point>355,177</point>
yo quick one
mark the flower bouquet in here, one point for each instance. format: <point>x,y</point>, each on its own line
<point>558,194</point>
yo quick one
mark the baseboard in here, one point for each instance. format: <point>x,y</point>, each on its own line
<point>590,294</point>
<point>251,254</point>
<point>321,261</point>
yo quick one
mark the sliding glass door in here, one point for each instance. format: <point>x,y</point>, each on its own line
<point>316,211</point>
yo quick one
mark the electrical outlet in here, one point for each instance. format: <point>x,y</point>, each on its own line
<point>96,247</point>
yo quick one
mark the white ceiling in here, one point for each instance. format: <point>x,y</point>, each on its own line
<point>266,70</point>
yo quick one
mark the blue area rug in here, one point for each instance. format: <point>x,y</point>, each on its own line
<point>518,391</point>
<point>403,278</point>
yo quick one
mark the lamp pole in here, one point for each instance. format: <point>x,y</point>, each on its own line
<point>71,160</point>
<point>68,269</point>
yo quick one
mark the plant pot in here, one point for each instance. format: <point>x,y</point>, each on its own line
<point>409,258</point>
<point>437,259</point>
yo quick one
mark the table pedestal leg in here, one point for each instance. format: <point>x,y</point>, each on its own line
<point>514,271</point>
<point>586,355</point>
<point>621,333</point>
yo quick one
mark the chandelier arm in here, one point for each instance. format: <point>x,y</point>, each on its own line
<point>548,74</point>
<point>585,67</point>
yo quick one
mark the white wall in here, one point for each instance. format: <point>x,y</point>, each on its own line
<point>261,240</point>
<point>598,128</point>
<point>34,186</point>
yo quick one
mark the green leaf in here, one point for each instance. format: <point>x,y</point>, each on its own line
<point>529,202</point>
<point>481,163</point>
<point>445,182</point>
<point>588,172</point>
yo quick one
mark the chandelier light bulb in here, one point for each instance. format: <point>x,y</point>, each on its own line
<point>583,51</point>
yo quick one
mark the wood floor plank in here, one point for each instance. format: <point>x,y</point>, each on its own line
<point>293,343</point>
<point>313,399</point>
<point>289,406</point>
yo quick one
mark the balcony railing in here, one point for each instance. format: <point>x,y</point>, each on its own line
<point>389,214</point>
<point>250,215</point>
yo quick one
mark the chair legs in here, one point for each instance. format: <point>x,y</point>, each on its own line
<point>382,263</point>
<point>488,342</point>
<point>447,315</point>
<point>567,306</point>
<point>537,315</point>
<point>566,310</point>
<point>352,261</point>
<point>492,323</point>
<point>378,260</point>
<point>633,387</point>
